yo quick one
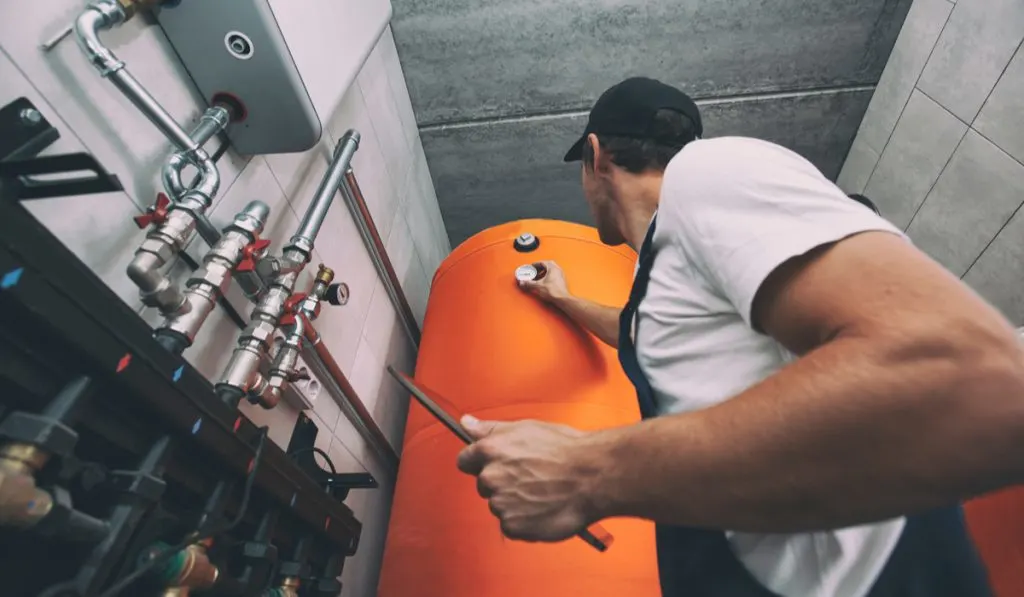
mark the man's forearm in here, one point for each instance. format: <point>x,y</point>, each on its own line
<point>856,431</point>
<point>598,319</point>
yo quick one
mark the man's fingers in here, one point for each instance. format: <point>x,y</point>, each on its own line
<point>471,460</point>
<point>477,428</point>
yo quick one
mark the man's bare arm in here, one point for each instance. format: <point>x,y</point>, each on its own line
<point>909,395</point>
<point>600,320</point>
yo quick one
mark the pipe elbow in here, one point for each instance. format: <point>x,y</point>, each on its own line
<point>209,182</point>
<point>99,16</point>
<point>172,175</point>
<point>144,271</point>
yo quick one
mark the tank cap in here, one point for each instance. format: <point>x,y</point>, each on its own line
<point>526,242</point>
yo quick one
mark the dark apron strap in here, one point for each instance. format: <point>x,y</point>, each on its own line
<point>627,349</point>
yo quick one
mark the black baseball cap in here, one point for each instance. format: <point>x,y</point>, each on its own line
<point>628,108</point>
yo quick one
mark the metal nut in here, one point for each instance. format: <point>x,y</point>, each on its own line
<point>30,116</point>
<point>159,247</point>
<point>215,275</point>
<point>263,332</point>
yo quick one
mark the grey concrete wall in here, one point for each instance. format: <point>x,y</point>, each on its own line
<point>941,147</point>
<point>500,88</point>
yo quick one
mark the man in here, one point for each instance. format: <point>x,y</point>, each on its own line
<point>817,394</point>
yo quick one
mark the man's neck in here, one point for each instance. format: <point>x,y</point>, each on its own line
<point>639,210</point>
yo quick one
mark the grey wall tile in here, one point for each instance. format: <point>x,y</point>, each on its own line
<point>975,195</point>
<point>495,172</point>
<point>857,168</point>
<point>998,273</point>
<point>1002,117</point>
<point>909,55</point>
<point>474,59</point>
<point>922,143</point>
<point>971,53</point>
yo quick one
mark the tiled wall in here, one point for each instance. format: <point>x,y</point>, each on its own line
<point>364,335</point>
<point>941,147</point>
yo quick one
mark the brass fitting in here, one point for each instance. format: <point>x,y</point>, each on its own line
<point>325,275</point>
<point>131,7</point>
<point>190,569</point>
<point>22,504</point>
<point>289,588</point>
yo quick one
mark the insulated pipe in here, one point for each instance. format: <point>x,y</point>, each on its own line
<point>305,236</point>
<point>105,14</point>
<point>319,358</point>
<point>379,255</point>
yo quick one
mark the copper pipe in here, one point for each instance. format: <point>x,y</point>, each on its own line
<point>318,356</point>
<point>379,254</point>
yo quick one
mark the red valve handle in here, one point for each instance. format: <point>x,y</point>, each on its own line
<point>155,214</point>
<point>248,262</point>
<point>291,307</point>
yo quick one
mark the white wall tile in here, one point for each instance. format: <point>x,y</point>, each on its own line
<point>340,248</point>
<point>299,174</point>
<point>999,270</point>
<point>120,137</point>
<point>972,200</point>
<point>381,321</point>
<point>857,168</point>
<point>1002,117</point>
<point>399,89</point>
<point>922,143</point>
<point>920,31</point>
<point>971,53</point>
<point>369,165</point>
<point>329,44</point>
<point>367,374</point>
<point>385,117</point>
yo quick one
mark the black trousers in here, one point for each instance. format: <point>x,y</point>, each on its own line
<point>934,557</point>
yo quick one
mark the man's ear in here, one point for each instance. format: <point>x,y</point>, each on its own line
<point>600,156</point>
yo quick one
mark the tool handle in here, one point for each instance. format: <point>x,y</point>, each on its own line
<point>597,537</point>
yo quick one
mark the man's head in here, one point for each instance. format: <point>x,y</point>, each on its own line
<point>634,129</point>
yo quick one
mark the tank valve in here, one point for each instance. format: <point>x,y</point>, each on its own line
<point>526,242</point>
<point>530,272</point>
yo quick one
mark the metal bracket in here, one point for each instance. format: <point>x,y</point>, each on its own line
<point>300,448</point>
<point>24,132</point>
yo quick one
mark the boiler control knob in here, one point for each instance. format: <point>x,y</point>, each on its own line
<point>337,294</point>
<point>526,242</point>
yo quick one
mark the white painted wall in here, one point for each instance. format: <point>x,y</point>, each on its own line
<point>364,335</point>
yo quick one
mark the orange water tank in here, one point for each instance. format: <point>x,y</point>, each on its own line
<point>496,353</point>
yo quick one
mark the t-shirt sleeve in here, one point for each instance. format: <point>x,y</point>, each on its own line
<point>740,208</point>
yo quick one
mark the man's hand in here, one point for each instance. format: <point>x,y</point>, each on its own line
<point>600,320</point>
<point>533,475</point>
<point>552,288</point>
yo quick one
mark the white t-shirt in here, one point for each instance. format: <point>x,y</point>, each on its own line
<point>732,210</point>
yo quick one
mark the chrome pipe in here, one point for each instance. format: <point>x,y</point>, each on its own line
<point>305,236</point>
<point>213,121</point>
<point>212,280</point>
<point>316,354</point>
<point>103,15</point>
<point>240,374</point>
<point>379,255</point>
